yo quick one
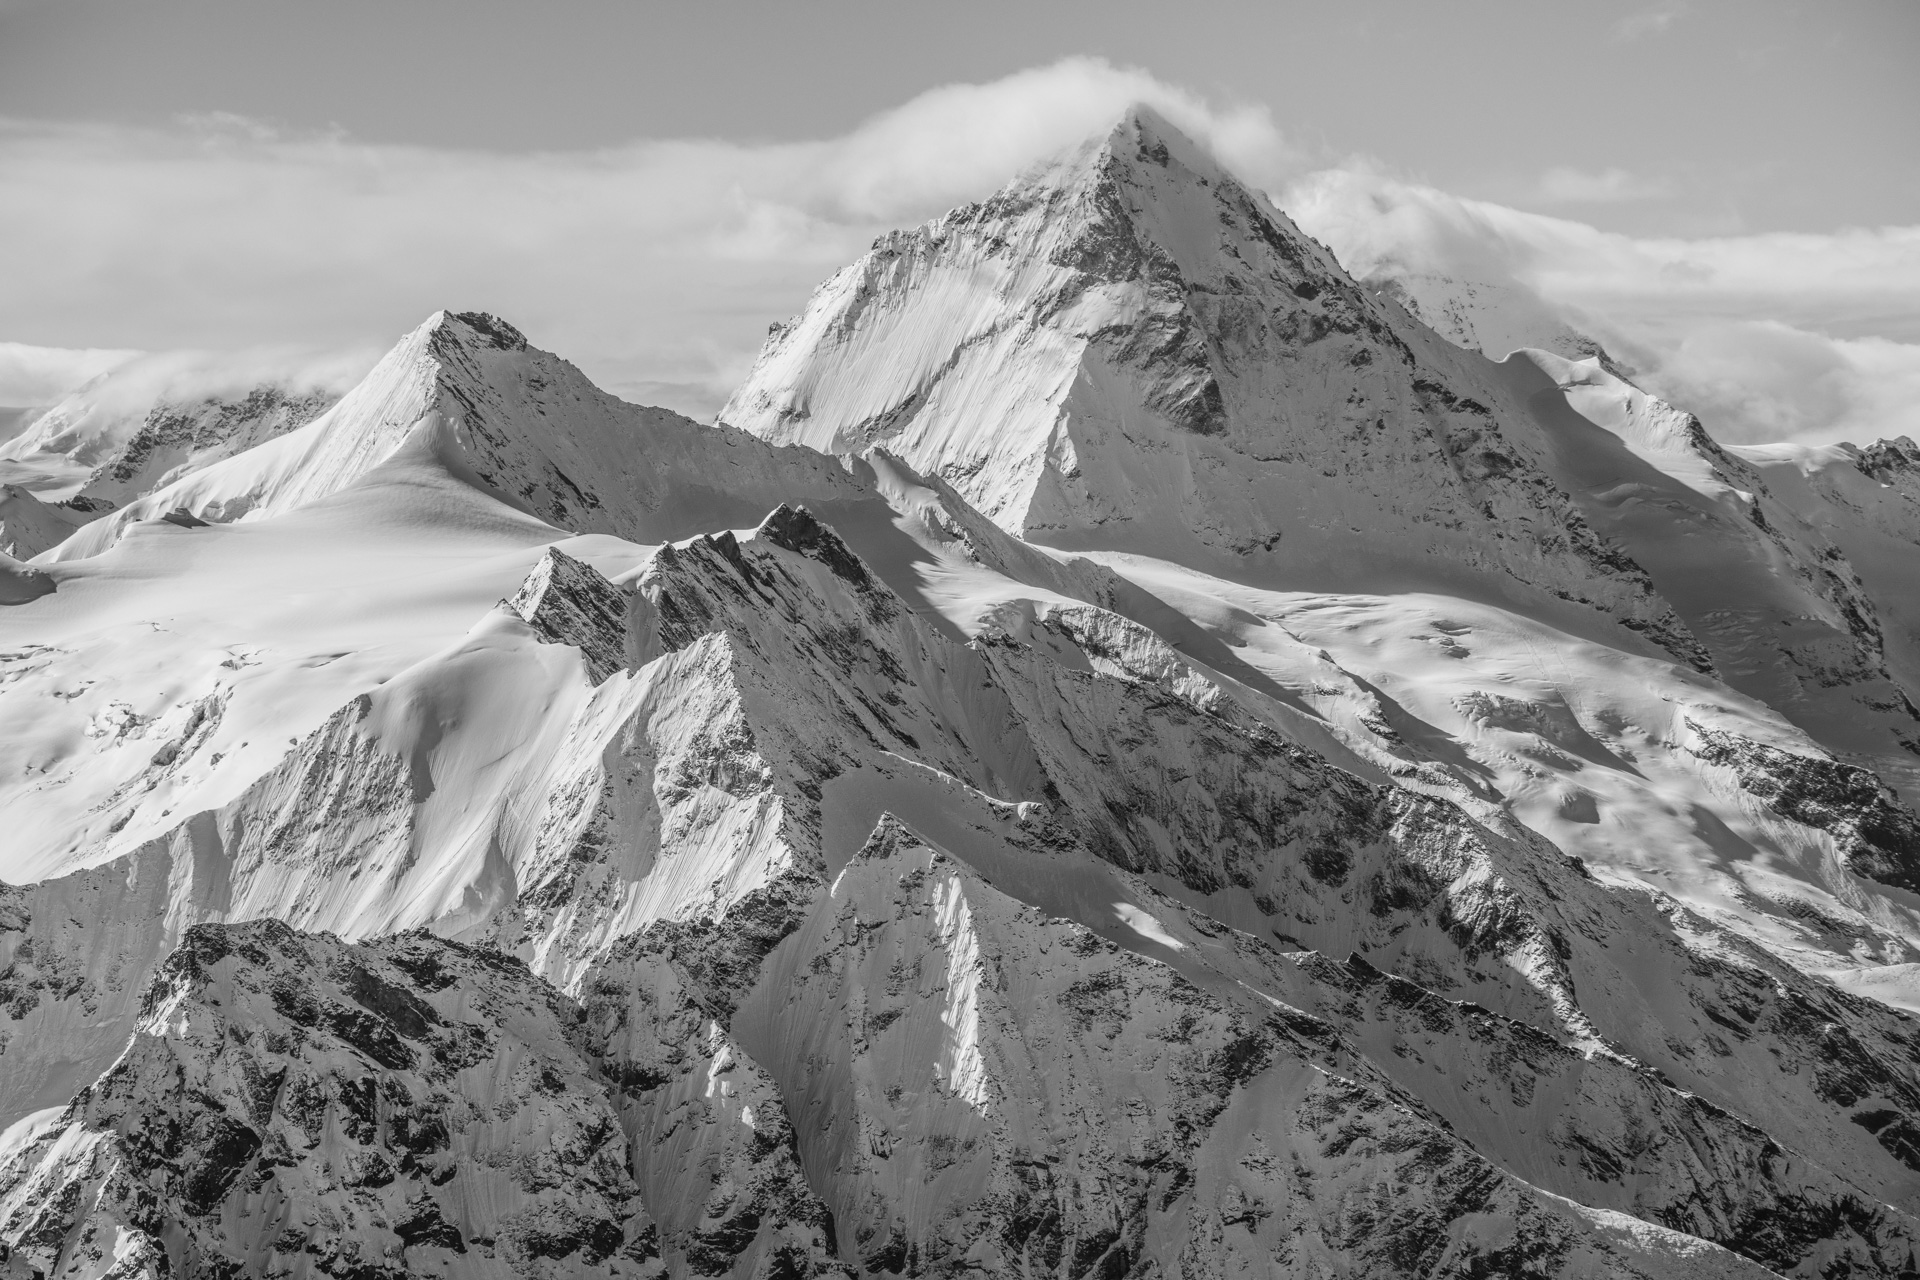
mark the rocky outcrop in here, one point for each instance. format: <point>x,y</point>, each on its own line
<point>963,1054</point>
<point>568,602</point>
<point>153,420</point>
<point>1877,835</point>
<point>1865,502</point>
<point>290,1104</point>
<point>1894,462</point>
<point>175,439</point>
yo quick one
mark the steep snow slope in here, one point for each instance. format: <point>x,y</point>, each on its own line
<point>1132,351</point>
<point>169,673</point>
<point>1775,600</point>
<point>164,677</point>
<point>20,583</point>
<point>1866,502</point>
<point>29,526</point>
<point>166,680</point>
<point>515,421</point>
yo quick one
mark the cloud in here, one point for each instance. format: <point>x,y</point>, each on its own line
<point>1646,23</point>
<point>1563,185</point>
<point>961,141</point>
<point>1779,335</point>
<point>1758,381</point>
<point>656,266</point>
<point>188,375</point>
<point>40,375</point>
<point>1375,221</point>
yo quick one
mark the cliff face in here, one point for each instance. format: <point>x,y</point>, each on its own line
<point>1865,502</point>
<point>289,1104</point>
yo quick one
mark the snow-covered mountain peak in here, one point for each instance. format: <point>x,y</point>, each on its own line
<point>476,327</point>
<point>1141,141</point>
<point>1885,459</point>
<point>1132,351</point>
<point>1147,201</point>
<point>464,393</point>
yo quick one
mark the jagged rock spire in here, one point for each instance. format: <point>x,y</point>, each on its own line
<point>567,602</point>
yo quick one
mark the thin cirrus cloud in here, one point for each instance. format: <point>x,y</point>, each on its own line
<point>1766,337</point>
<point>658,266</point>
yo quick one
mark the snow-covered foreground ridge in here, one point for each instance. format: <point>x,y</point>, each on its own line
<point>492,829</point>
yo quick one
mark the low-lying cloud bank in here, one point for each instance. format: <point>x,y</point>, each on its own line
<point>183,377</point>
<point>1766,337</point>
<point>658,266</point>
<point>31,375</point>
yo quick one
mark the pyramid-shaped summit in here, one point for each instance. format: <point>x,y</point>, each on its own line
<point>1129,349</point>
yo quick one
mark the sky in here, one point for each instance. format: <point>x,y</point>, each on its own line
<point>1728,190</point>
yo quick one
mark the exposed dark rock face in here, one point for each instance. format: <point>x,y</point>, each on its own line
<point>1889,461</point>
<point>568,602</point>
<point>176,438</point>
<point>1878,836</point>
<point>293,1103</point>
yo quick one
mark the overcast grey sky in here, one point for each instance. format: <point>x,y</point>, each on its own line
<point>644,186</point>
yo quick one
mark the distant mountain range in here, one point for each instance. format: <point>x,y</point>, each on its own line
<point>1126,752</point>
